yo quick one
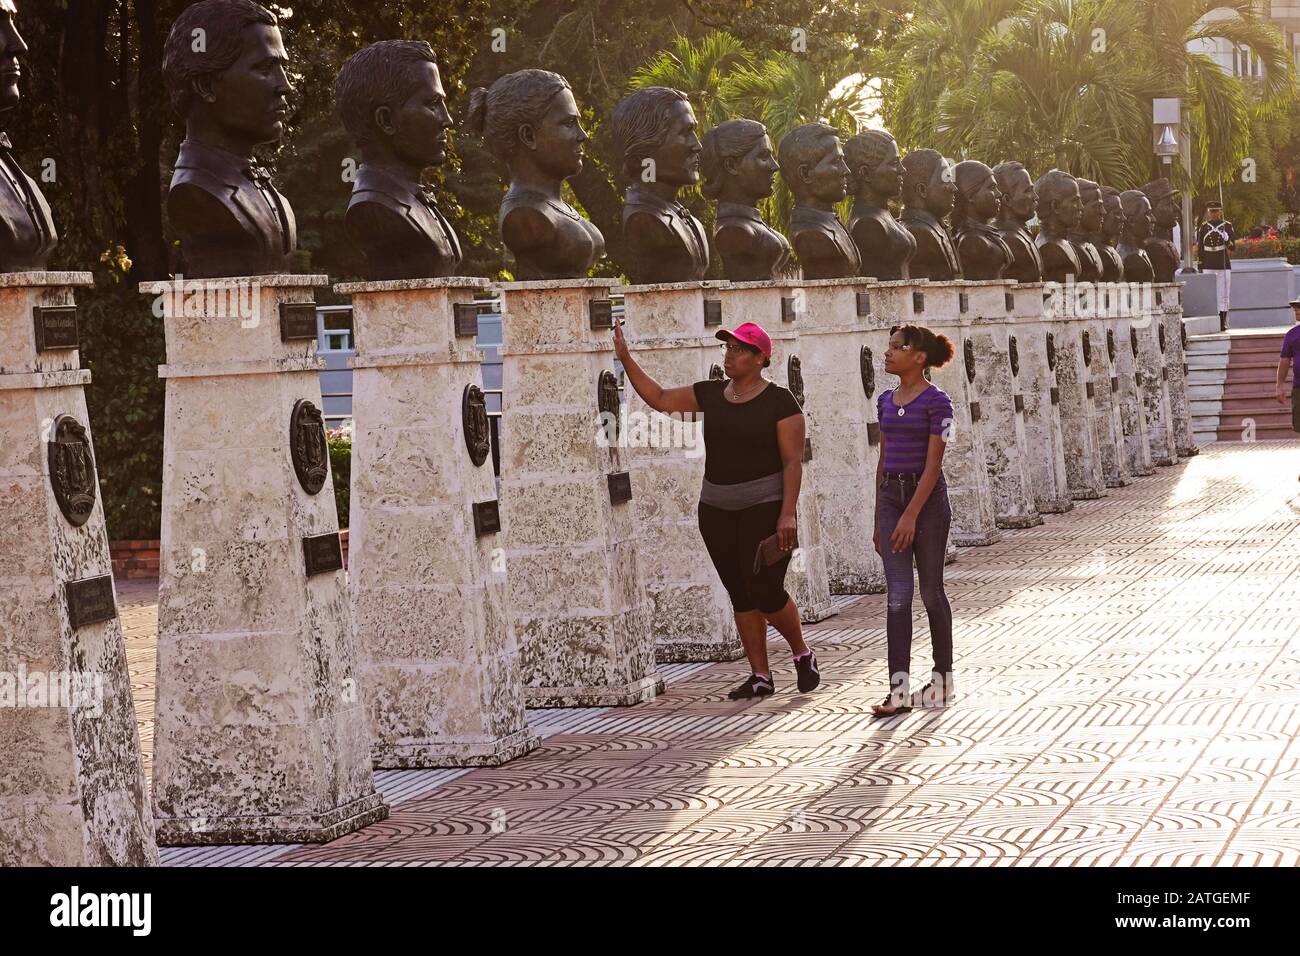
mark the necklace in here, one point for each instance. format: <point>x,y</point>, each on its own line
<point>736,396</point>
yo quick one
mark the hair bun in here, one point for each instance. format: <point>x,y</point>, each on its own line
<point>477,116</point>
<point>941,352</point>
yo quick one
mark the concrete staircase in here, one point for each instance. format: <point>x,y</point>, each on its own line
<point>1230,385</point>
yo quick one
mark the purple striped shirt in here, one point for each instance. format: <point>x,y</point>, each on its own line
<point>907,435</point>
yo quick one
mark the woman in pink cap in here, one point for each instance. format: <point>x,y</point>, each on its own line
<point>753,466</point>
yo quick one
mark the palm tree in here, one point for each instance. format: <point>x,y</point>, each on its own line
<point>1220,105</point>
<point>1058,84</point>
<point>700,70</point>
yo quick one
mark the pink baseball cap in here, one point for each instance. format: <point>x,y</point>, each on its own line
<point>750,334</point>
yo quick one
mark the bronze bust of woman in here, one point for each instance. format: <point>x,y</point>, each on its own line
<point>875,177</point>
<point>739,169</point>
<point>812,166</point>
<point>1138,226</point>
<point>531,123</point>
<point>1112,228</point>
<point>984,254</point>
<point>654,134</point>
<point>27,233</point>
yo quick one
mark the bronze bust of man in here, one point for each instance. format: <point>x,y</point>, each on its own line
<point>654,133</point>
<point>232,92</point>
<point>1019,204</point>
<point>1138,225</point>
<point>928,195</point>
<point>1112,228</point>
<point>813,168</point>
<point>984,254</point>
<point>1059,209</point>
<point>390,98</point>
<point>27,233</point>
<point>740,170</point>
<point>1165,208</point>
<point>531,123</point>
<point>1084,235</point>
<point>875,177</point>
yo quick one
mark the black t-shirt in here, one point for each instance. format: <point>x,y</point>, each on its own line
<point>740,438</point>
<point>1215,240</point>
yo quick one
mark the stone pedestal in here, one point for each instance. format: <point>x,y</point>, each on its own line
<point>1085,477</point>
<point>261,731</point>
<point>776,307</point>
<point>1132,411</point>
<point>72,790</point>
<point>1001,407</point>
<point>671,329</point>
<point>1148,324</point>
<point>576,596</point>
<point>1171,306</point>
<point>1034,379</point>
<point>842,342</point>
<point>1105,394</point>
<point>427,564</point>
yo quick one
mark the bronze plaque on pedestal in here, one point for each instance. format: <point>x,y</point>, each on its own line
<point>90,600</point>
<point>297,321</point>
<point>712,312</point>
<point>487,517</point>
<point>56,327</point>
<point>322,553</point>
<point>72,470</point>
<point>620,487</point>
<point>600,313</point>
<point>465,318</point>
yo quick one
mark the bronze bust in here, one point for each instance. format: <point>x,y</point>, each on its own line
<point>1019,205</point>
<point>27,233</point>
<point>1091,266</point>
<point>984,254</point>
<point>875,177</point>
<point>739,170</point>
<point>928,195</point>
<point>1165,256</point>
<point>233,95</point>
<point>531,123</point>
<point>1112,228</point>
<point>813,168</point>
<point>1059,209</point>
<point>390,98</point>
<point>1138,225</point>
<point>654,133</point>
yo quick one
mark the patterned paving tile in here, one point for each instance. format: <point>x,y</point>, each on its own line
<point>1130,695</point>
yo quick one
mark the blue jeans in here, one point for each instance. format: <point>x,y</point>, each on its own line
<point>927,551</point>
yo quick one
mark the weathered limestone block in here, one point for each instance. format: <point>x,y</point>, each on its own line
<point>1105,390</point>
<point>576,595</point>
<point>1148,323</point>
<point>842,341</point>
<point>72,789</point>
<point>1171,305</point>
<point>261,733</point>
<point>667,327</point>
<point>807,578</point>
<point>426,569</point>
<point>1001,420</point>
<point>1085,477</point>
<point>1035,380</point>
<point>1132,410</point>
<point>937,306</point>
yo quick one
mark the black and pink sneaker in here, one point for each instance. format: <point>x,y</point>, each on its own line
<point>754,686</point>
<point>809,675</point>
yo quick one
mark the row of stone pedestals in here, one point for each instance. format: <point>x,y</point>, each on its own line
<point>282,680</point>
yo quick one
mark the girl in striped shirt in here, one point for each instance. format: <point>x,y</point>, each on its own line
<point>912,511</point>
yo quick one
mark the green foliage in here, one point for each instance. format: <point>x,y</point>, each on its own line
<point>341,469</point>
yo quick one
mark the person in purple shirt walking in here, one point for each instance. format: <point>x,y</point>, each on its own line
<point>1291,357</point>
<point>912,511</point>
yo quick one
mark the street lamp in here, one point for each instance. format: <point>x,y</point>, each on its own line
<point>1166,115</point>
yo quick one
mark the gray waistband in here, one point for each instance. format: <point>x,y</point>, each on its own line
<point>743,494</point>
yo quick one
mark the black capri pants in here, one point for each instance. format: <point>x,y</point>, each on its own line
<point>732,539</point>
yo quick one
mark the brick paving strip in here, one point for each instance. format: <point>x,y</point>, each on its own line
<point>1129,675</point>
